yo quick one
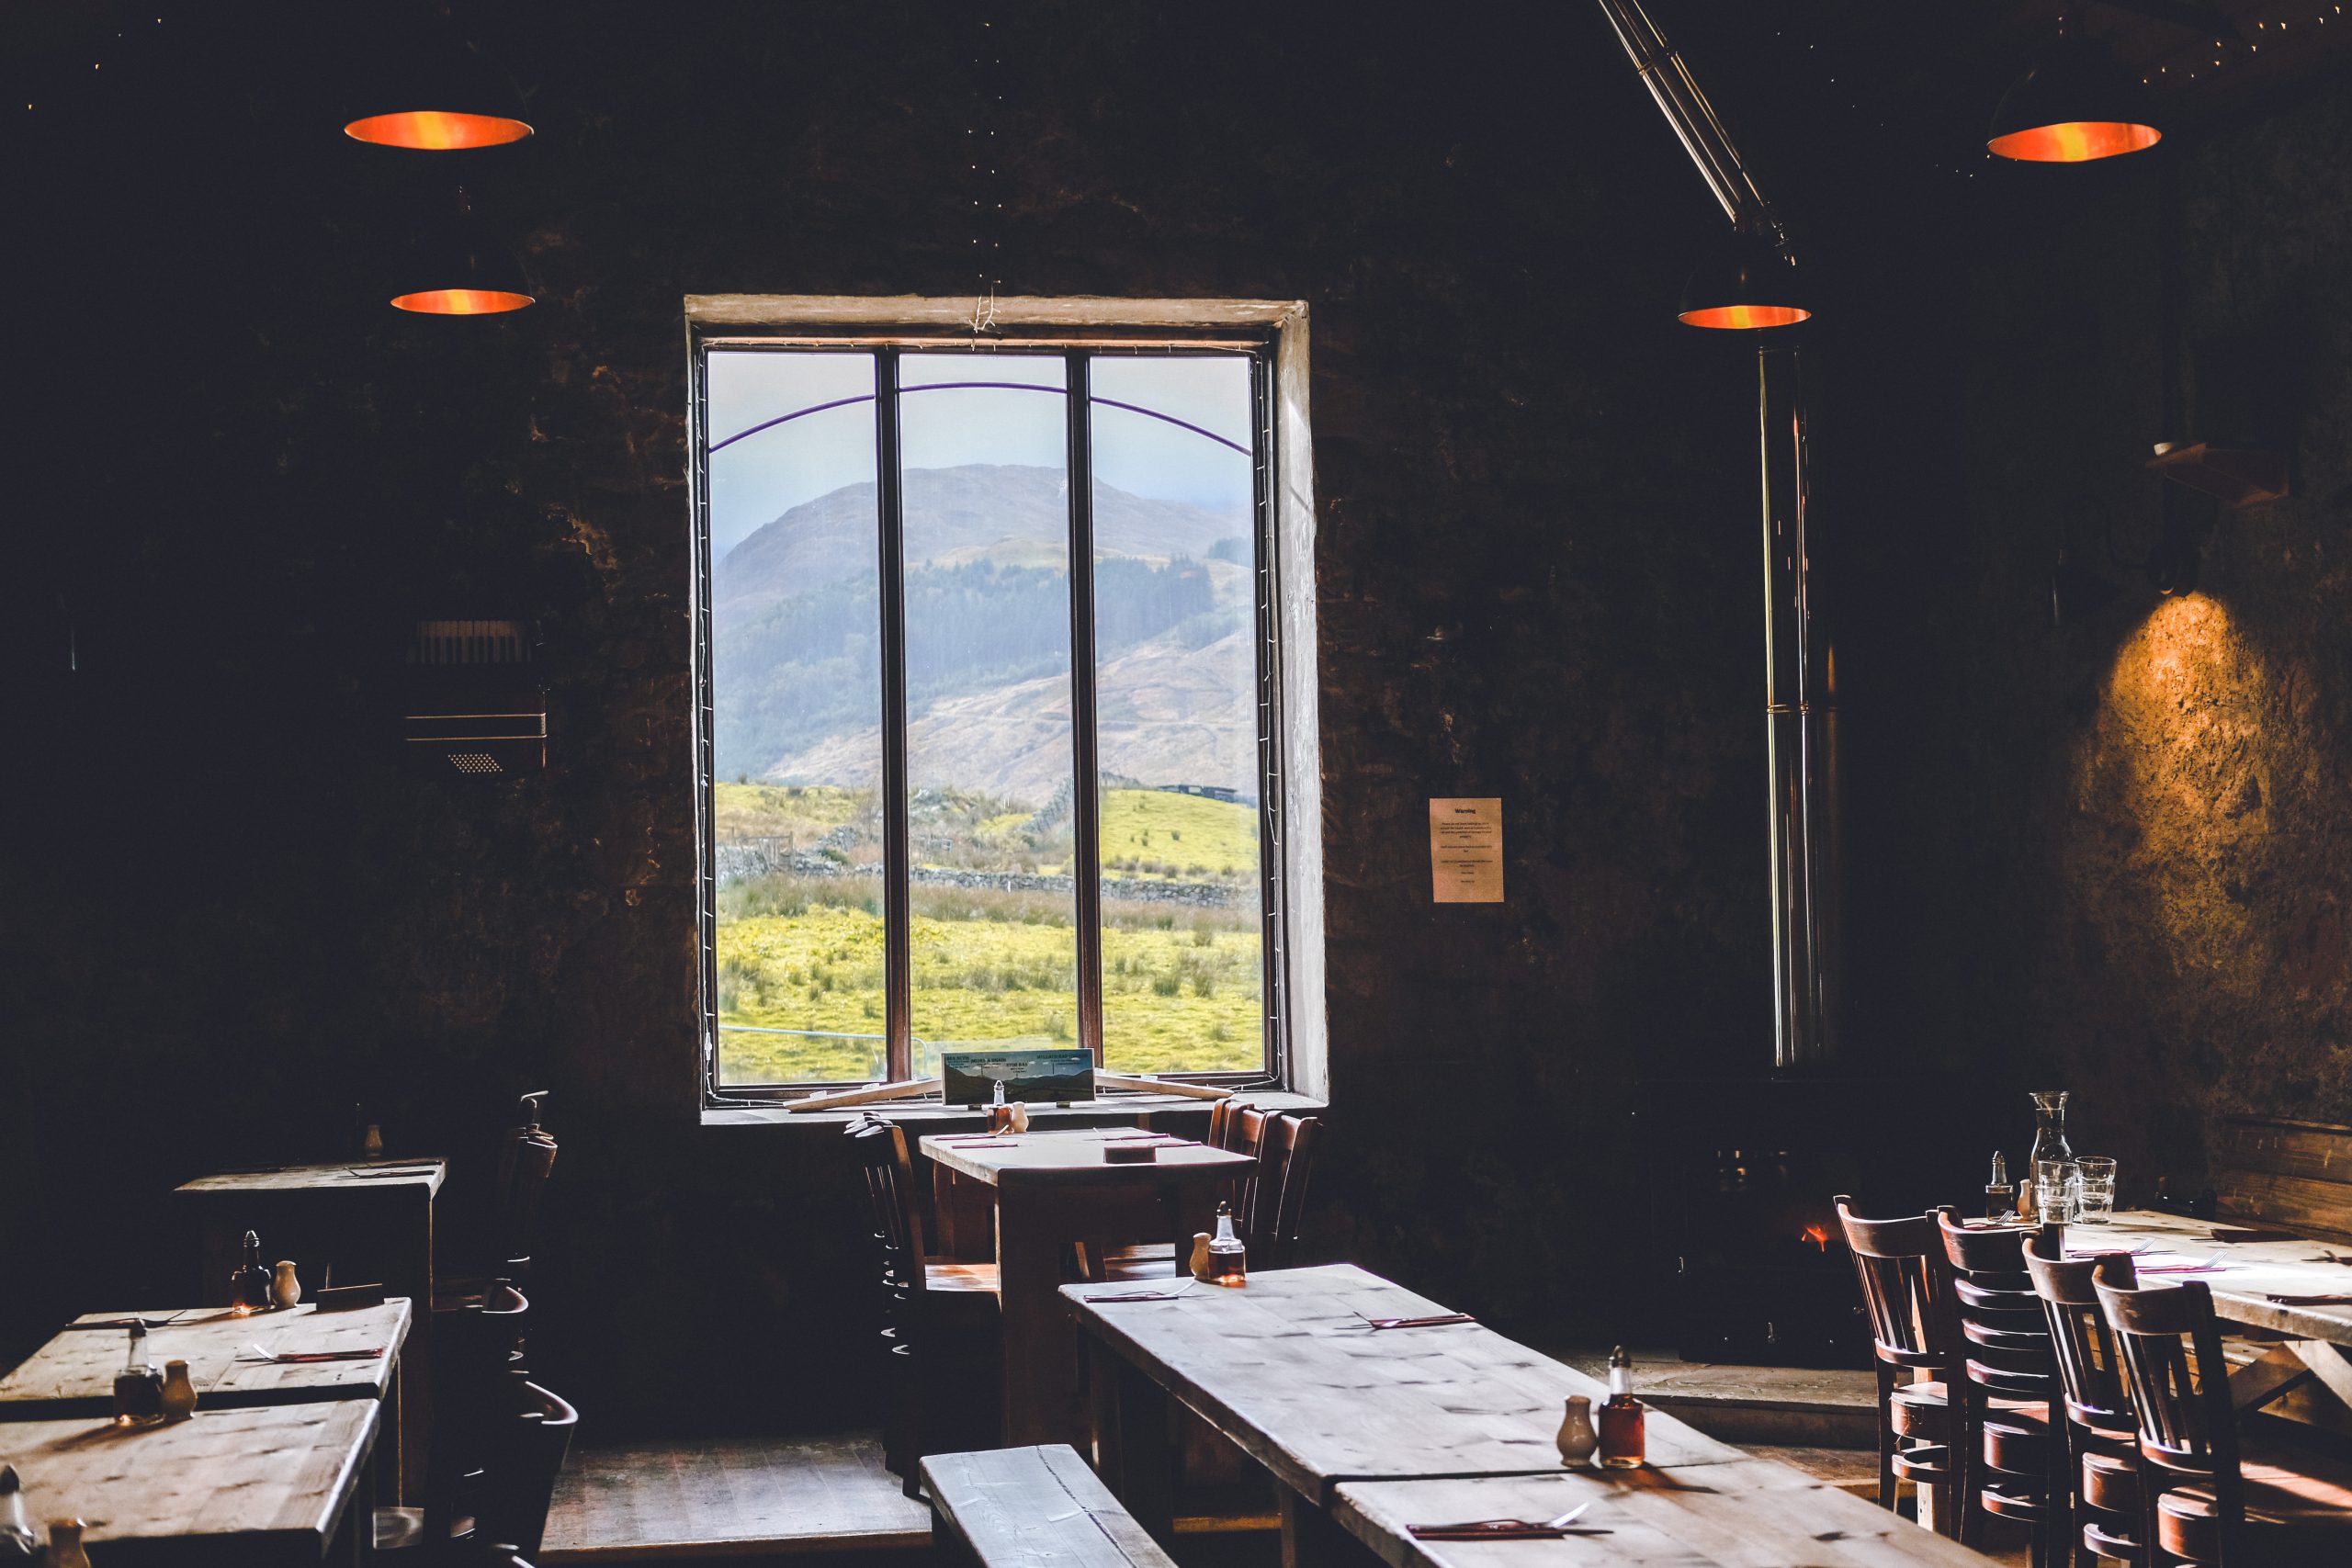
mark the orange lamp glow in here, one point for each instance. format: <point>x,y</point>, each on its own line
<point>1745,318</point>
<point>2076,105</point>
<point>1746,283</point>
<point>2075,141</point>
<point>437,130</point>
<point>461,301</point>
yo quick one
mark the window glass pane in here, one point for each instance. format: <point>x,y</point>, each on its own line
<point>983,444</point>
<point>1176,676</point>
<point>796,684</point>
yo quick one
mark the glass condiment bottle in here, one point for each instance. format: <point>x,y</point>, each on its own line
<point>138,1387</point>
<point>1622,1443</point>
<point>66,1548</point>
<point>249,1286</point>
<point>2000,1197</point>
<point>1228,1260</point>
<point>16,1537</point>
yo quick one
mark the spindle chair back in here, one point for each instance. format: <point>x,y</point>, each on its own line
<point>1278,1198</point>
<point>2099,1431</point>
<point>2171,1344</point>
<point>1907,1295</point>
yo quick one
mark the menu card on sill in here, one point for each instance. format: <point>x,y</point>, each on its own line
<point>1466,850</point>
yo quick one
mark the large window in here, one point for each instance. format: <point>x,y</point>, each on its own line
<point>991,704</point>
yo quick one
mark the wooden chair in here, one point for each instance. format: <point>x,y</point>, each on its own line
<point>521,1481</point>
<point>1907,1294</point>
<point>2203,1499</point>
<point>479,1366</point>
<point>1269,1206</point>
<point>1286,1153</point>
<point>942,1322</point>
<point>2100,1446</point>
<point>526,1159</point>
<point>2008,1388</point>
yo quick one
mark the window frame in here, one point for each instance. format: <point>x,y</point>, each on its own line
<point>1272,335</point>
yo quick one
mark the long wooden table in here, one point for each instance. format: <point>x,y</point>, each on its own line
<point>72,1374</point>
<point>1751,1514</point>
<point>2249,1275</point>
<point>1054,1191</point>
<point>1291,1369</point>
<point>271,1487</point>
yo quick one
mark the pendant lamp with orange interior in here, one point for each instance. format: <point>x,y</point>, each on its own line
<point>2077,103</point>
<point>457,267</point>
<point>1747,282</point>
<point>433,91</point>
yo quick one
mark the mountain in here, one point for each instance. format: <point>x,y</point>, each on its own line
<point>980,511</point>
<point>1168,712</point>
<point>795,653</point>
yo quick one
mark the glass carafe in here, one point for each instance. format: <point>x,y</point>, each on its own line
<point>2049,1144</point>
<point>2050,1127</point>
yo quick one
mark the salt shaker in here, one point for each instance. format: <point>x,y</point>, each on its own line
<point>285,1290</point>
<point>1577,1438</point>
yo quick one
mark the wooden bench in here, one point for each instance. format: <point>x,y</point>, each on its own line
<point>1038,1508</point>
<point>2295,1175</point>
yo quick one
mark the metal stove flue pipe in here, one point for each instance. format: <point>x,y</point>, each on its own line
<point>1800,688</point>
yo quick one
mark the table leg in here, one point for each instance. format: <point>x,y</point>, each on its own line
<point>2258,1382</point>
<point>1132,1449</point>
<point>1040,1371</point>
<point>1312,1539</point>
<point>2327,1363</point>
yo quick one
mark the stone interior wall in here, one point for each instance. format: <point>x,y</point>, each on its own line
<point>227,914</point>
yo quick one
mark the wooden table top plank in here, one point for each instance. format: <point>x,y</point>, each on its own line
<point>426,1173</point>
<point>2252,1270</point>
<point>278,1477</point>
<point>1289,1367</point>
<point>74,1373</point>
<point>1074,1157</point>
<point>1751,1514</point>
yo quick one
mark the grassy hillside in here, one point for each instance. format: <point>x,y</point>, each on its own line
<point>1151,833</point>
<point>1180,988</point>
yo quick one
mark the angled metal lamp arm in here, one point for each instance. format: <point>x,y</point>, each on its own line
<point>1800,695</point>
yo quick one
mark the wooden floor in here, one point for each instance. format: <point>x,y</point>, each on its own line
<point>730,1498</point>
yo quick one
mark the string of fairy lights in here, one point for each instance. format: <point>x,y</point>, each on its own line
<point>98,64</point>
<point>2281,27</point>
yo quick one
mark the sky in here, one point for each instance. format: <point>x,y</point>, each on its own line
<point>756,480</point>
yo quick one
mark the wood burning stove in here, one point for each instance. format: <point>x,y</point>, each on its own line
<point>1742,1172</point>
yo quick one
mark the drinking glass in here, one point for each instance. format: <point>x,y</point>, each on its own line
<point>2094,1190</point>
<point>2057,1184</point>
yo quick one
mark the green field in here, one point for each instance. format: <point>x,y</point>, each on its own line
<point>1181,984</point>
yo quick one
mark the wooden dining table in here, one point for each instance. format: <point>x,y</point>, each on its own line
<point>370,1221</point>
<point>1050,1192</point>
<point>273,1486</point>
<point>2273,1281</point>
<point>72,1374</point>
<point>1294,1368</point>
